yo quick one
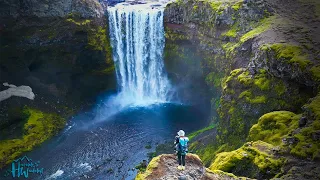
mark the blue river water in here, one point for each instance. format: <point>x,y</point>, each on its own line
<point>110,148</point>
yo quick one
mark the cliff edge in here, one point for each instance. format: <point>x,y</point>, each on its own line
<point>165,167</point>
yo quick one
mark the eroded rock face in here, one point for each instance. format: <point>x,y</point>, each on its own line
<point>59,48</point>
<point>256,36</point>
<point>256,57</point>
<point>52,8</point>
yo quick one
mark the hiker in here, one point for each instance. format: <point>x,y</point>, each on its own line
<point>181,147</point>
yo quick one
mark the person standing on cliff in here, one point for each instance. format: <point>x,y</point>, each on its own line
<point>181,146</point>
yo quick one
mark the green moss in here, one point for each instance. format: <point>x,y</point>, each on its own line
<point>307,146</point>
<point>226,80</point>
<point>275,126</point>
<point>153,164</point>
<point>272,127</point>
<point>230,47</point>
<point>250,99</point>
<point>315,71</point>
<point>79,23</point>
<point>237,5</point>
<point>141,167</point>
<point>280,88</point>
<point>246,93</point>
<point>290,53</point>
<point>194,134</point>
<point>246,98</point>
<point>231,33</point>
<point>220,5</point>
<point>208,153</point>
<point>257,100</point>
<point>39,127</point>
<point>97,39</point>
<point>195,7</point>
<point>214,79</point>
<point>245,78</point>
<point>264,25</point>
<point>108,70</point>
<point>252,159</point>
<point>216,6</point>
<point>174,36</point>
<point>314,107</point>
<point>223,173</point>
<point>262,82</point>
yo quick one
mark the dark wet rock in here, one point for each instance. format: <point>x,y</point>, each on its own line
<point>290,140</point>
<point>303,121</point>
<point>316,136</point>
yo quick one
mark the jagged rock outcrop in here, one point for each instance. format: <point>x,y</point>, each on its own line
<point>165,167</point>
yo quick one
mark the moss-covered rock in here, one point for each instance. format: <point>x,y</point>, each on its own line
<point>165,167</point>
<point>39,127</point>
<point>292,54</point>
<point>307,142</point>
<point>272,127</point>
<point>258,63</point>
<point>247,96</point>
<point>254,160</point>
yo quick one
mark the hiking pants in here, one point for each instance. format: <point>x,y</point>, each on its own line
<point>181,159</point>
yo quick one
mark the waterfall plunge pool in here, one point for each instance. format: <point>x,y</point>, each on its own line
<point>110,149</point>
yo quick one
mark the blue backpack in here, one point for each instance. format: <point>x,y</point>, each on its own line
<point>183,145</point>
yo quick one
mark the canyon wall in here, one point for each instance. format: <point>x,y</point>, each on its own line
<point>257,57</point>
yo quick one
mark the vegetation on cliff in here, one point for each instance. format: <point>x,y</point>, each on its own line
<point>246,96</point>
<point>262,67</point>
<point>273,127</point>
<point>39,127</point>
<point>253,159</point>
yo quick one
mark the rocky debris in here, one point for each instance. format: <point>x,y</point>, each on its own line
<point>165,167</point>
<point>20,91</point>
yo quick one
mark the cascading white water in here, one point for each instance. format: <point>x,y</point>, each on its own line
<point>137,39</point>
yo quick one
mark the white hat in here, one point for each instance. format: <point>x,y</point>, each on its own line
<point>181,133</point>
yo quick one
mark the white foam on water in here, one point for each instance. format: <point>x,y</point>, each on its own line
<point>55,175</point>
<point>85,166</point>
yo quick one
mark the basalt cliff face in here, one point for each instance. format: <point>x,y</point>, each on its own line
<point>58,48</point>
<point>261,61</point>
<point>61,50</point>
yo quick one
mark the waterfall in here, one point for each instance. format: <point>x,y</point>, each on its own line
<point>137,40</point>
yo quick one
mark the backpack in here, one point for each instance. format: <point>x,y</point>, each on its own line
<point>183,145</point>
